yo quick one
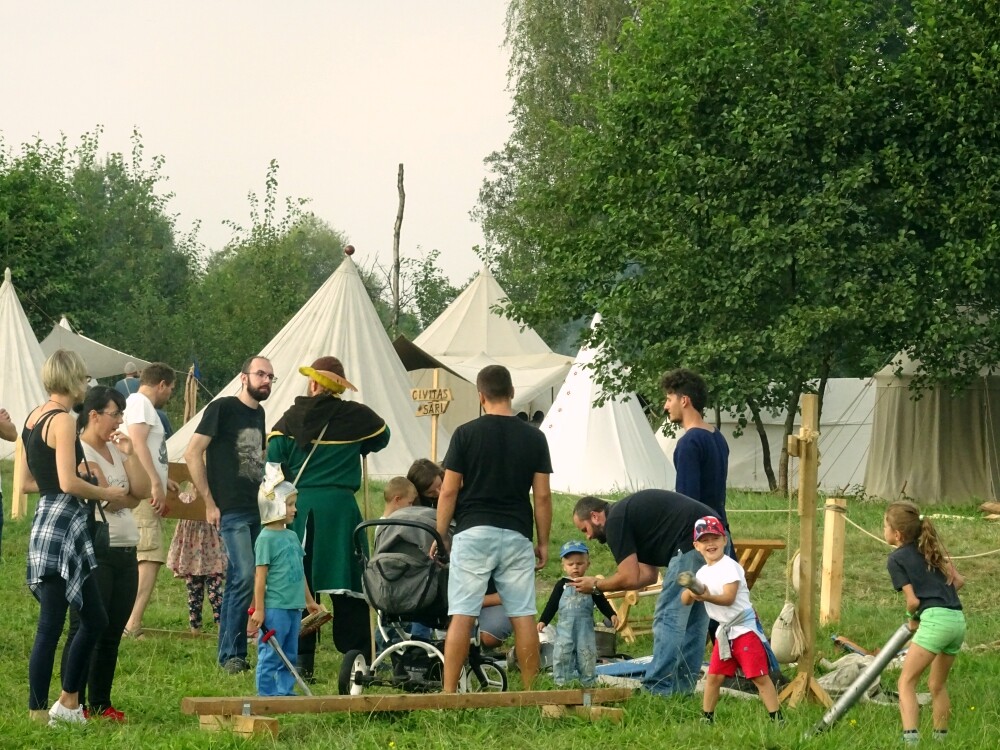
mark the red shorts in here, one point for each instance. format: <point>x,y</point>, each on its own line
<point>748,654</point>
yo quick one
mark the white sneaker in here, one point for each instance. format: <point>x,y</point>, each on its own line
<point>59,715</point>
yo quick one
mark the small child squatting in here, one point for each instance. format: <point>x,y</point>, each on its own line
<point>727,600</point>
<point>574,653</point>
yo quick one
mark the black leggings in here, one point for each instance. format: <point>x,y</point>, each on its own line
<point>51,593</point>
<point>117,577</point>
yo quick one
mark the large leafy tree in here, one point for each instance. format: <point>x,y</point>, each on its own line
<point>554,45</point>
<point>745,199</point>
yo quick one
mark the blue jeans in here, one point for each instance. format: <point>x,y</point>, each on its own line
<point>273,677</point>
<point>679,633</point>
<point>239,530</point>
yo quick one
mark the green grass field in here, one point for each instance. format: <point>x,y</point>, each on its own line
<point>156,673</point>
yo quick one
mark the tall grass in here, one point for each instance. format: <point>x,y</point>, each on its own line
<point>156,673</point>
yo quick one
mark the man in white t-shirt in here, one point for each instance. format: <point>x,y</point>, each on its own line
<point>149,442</point>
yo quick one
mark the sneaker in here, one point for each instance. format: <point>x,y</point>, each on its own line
<point>236,665</point>
<point>59,715</point>
<point>111,714</point>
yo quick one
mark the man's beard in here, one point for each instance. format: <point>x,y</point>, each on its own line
<point>599,535</point>
<point>257,394</point>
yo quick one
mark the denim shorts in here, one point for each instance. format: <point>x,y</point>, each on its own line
<point>482,552</point>
<point>941,630</point>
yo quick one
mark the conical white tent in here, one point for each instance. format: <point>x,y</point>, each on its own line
<point>21,361</point>
<point>601,449</point>
<point>470,335</point>
<point>339,319</point>
<point>102,361</point>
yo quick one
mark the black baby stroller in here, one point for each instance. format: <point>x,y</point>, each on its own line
<point>406,586</point>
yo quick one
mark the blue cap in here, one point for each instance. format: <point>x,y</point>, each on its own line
<point>572,547</point>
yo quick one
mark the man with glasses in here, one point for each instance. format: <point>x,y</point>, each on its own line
<point>226,460</point>
<point>647,531</point>
<point>149,441</point>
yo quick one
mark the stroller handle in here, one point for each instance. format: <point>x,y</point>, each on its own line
<point>441,556</point>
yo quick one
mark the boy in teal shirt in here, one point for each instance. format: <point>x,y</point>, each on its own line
<point>280,591</point>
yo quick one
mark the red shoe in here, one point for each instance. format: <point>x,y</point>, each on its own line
<point>86,713</point>
<point>112,714</point>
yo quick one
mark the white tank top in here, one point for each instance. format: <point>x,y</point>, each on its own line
<point>124,532</point>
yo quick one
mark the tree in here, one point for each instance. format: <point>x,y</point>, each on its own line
<point>286,256</point>
<point>553,45</point>
<point>738,204</point>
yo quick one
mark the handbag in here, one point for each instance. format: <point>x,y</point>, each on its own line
<point>100,530</point>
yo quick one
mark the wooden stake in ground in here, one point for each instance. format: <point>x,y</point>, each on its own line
<point>805,445</point>
<point>833,561</point>
<point>394,278</point>
<point>19,503</point>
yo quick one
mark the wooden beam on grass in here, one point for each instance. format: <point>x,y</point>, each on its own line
<point>379,702</point>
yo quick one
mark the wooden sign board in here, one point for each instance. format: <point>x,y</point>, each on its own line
<point>184,502</point>
<point>435,401</point>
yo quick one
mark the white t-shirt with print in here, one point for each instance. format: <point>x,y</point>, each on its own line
<point>715,577</point>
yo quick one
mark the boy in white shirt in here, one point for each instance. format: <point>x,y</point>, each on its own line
<point>739,643</point>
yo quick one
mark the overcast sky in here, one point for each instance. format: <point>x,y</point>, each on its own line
<point>338,92</point>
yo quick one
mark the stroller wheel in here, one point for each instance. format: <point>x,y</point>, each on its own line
<point>483,677</point>
<point>352,673</point>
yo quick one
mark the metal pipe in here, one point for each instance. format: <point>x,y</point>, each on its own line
<point>865,679</point>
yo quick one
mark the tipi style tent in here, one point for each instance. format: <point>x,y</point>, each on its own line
<point>339,319</point>
<point>600,449</point>
<point>470,335</point>
<point>941,448</point>
<point>21,361</point>
<point>102,361</point>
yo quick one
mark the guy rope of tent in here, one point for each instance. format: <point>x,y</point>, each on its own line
<point>849,413</point>
<point>953,557</point>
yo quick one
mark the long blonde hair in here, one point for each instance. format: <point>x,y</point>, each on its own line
<point>904,517</point>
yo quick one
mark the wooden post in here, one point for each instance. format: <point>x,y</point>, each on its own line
<point>434,418</point>
<point>19,503</point>
<point>832,585</point>
<point>804,684</point>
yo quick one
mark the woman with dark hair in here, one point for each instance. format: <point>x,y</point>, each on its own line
<point>426,477</point>
<point>108,455</point>
<point>60,551</point>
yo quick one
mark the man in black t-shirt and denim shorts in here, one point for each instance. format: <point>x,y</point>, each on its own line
<point>492,464</point>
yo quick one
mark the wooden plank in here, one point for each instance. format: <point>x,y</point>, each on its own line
<point>239,724</point>
<point>376,702</point>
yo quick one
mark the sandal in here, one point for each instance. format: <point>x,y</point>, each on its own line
<point>135,635</point>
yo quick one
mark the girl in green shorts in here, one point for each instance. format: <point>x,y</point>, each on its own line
<point>921,568</point>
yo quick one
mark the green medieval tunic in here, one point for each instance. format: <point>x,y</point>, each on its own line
<point>328,485</point>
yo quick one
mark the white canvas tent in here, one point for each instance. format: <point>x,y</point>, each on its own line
<point>601,449</point>
<point>102,361</point>
<point>21,361</point>
<point>470,335</point>
<point>941,448</point>
<point>845,436</point>
<point>339,319</point>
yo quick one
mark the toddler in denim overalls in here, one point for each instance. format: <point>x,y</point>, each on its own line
<point>575,652</point>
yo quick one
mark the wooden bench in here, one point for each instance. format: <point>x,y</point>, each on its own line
<point>751,554</point>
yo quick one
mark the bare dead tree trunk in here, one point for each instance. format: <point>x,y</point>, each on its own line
<point>765,446</point>
<point>792,410</point>
<point>394,280</point>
